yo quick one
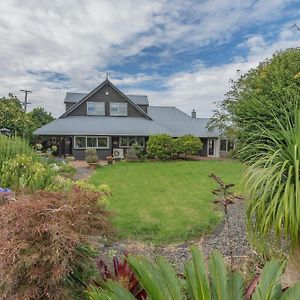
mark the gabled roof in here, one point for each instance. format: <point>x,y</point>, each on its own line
<point>75,97</point>
<point>139,99</point>
<point>165,119</point>
<point>104,83</point>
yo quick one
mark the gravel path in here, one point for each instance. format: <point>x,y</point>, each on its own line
<point>82,173</point>
<point>177,254</point>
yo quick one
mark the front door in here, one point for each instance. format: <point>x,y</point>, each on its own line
<point>211,147</point>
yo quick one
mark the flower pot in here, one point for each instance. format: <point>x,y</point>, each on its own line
<point>93,166</point>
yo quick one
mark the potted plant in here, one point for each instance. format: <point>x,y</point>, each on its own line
<point>91,158</point>
<point>109,160</point>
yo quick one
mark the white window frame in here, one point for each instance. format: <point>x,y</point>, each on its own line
<point>91,136</point>
<point>75,146</point>
<point>118,114</point>
<point>95,103</point>
<point>107,141</point>
<point>227,144</point>
<point>128,137</point>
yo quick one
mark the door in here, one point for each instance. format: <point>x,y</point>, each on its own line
<point>211,147</point>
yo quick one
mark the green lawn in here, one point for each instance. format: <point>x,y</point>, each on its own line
<point>165,202</point>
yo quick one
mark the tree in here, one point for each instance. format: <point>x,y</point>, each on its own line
<point>40,117</point>
<point>13,117</point>
<point>259,95</point>
<point>188,145</point>
<point>160,146</point>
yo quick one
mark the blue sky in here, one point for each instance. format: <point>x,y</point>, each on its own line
<point>179,53</point>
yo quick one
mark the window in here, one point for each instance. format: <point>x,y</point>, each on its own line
<point>124,141</point>
<point>91,142</point>
<point>102,142</point>
<point>223,145</point>
<point>80,142</point>
<point>127,142</point>
<point>118,109</point>
<point>141,141</point>
<point>96,108</point>
<point>226,145</point>
<point>83,142</point>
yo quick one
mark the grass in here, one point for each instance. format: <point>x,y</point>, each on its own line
<point>165,202</point>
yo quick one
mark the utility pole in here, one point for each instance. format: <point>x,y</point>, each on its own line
<point>25,103</point>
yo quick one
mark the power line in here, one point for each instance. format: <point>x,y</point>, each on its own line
<point>25,103</point>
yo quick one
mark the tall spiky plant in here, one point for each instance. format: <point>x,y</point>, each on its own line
<point>272,184</point>
<point>216,283</point>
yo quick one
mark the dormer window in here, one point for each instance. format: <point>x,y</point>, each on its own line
<point>118,109</point>
<point>95,108</point>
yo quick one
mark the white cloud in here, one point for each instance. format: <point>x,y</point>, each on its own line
<point>82,38</point>
<point>202,86</point>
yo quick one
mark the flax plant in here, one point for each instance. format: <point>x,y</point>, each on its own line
<point>272,186</point>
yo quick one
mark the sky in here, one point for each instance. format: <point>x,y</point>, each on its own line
<point>180,53</point>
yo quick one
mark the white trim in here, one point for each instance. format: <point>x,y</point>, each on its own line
<point>118,114</point>
<point>95,114</point>
<point>215,147</point>
<point>91,136</point>
<point>74,142</point>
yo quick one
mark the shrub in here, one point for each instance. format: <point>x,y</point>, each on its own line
<point>10,147</point>
<point>188,145</point>
<point>136,151</point>
<point>160,146</point>
<point>67,169</point>
<point>44,246</point>
<point>62,184</point>
<point>24,172</point>
<point>91,155</point>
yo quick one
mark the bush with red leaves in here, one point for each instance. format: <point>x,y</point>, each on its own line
<point>44,243</point>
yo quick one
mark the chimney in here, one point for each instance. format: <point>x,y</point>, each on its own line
<point>193,114</point>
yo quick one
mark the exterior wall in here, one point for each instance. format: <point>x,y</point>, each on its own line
<point>69,104</point>
<point>144,108</point>
<point>101,96</point>
<point>223,153</point>
<point>79,154</point>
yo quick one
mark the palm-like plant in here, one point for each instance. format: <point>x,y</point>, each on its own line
<point>273,186</point>
<point>161,282</point>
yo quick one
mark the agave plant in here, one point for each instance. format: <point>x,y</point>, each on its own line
<point>273,186</point>
<point>162,283</point>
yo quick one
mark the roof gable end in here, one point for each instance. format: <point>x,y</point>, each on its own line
<point>104,83</point>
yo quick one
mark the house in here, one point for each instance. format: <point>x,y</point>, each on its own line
<point>109,120</point>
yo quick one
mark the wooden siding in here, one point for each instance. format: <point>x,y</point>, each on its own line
<point>100,96</point>
<point>69,104</point>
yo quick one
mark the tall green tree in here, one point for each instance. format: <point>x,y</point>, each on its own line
<point>40,117</point>
<point>259,95</point>
<point>13,117</point>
